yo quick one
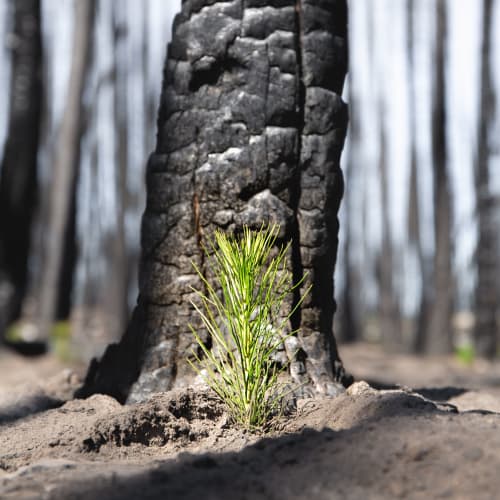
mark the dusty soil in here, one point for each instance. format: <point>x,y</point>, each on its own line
<point>424,428</point>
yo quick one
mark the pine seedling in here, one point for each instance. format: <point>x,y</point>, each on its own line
<point>242,312</point>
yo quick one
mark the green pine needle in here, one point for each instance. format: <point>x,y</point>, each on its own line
<point>244,323</point>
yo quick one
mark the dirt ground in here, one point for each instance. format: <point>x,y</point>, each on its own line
<point>409,428</point>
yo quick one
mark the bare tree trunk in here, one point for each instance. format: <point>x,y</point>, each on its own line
<point>65,167</point>
<point>350,303</point>
<point>486,298</point>
<point>390,321</point>
<point>18,174</point>
<point>250,129</point>
<point>349,312</point>
<point>414,233</point>
<point>101,313</point>
<point>439,337</point>
<point>150,99</point>
<point>415,239</point>
<point>117,296</point>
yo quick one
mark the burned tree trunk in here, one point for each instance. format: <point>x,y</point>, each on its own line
<point>62,209</point>
<point>250,129</point>
<point>18,175</point>
<point>390,317</point>
<point>100,307</point>
<point>438,338</point>
<point>486,296</point>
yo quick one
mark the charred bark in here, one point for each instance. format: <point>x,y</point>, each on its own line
<point>250,129</point>
<point>18,174</point>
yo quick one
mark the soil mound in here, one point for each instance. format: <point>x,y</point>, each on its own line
<point>439,441</point>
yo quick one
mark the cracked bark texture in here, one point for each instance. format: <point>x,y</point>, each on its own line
<point>250,129</point>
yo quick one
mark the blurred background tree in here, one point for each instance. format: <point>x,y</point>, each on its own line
<point>18,174</point>
<point>420,247</point>
<point>101,71</point>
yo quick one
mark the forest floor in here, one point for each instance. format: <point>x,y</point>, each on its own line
<point>417,428</point>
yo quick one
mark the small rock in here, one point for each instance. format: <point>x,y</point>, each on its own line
<point>358,388</point>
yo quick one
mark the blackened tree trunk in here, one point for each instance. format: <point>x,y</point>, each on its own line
<point>18,174</point>
<point>250,129</point>
<point>438,339</point>
<point>486,297</point>
<point>64,173</point>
